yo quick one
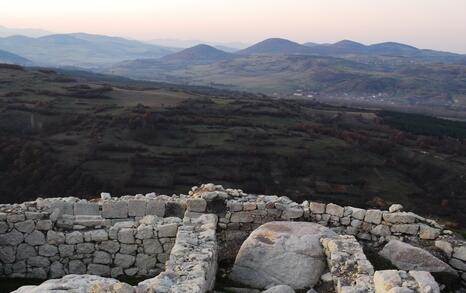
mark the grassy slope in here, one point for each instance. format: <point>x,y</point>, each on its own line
<point>69,137</point>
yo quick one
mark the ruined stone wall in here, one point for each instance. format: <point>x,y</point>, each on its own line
<point>128,236</point>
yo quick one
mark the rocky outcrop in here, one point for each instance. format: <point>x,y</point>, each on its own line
<point>282,253</point>
<point>391,281</point>
<point>407,257</point>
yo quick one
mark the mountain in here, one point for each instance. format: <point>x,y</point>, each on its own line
<point>275,46</point>
<point>10,58</point>
<point>200,54</point>
<point>80,49</point>
<point>392,48</point>
<point>7,32</point>
<point>175,43</point>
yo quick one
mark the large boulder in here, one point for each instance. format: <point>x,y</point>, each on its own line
<point>407,257</point>
<point>282,253</point>
<point>79,284</point>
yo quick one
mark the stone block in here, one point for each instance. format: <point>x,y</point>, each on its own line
<point>145,262</point>
<point>242,217</point>
<point>128,248</point>
<point>386,280</point>
<point>198,205</point>
<point>76,267</point>
<point>86,208</point>
<point>97,235</point>
<point>410,229</point>
<point>35,238</point>
<point>399,218</point>
<point>317,207</point>
<point>25,251</point>
<point>66,250</point>
<point>25,226</point>
<point>428,233</point>
<point>109,246</point>
<point>48,250</point>
<point>167,230</point>
<point>156,207</point>
<point>98,269</point>
<point>115,209</point>
<point>74,237</point>
<point>335,210</point>
<point>460,252</point>
<point>126,235</point>
<point>7,254</point>
<point>445,246</point>
<point>124,261</point>
<point>55,237</point>
<point>137,208</point>
<point>373,216</point>
<point>102,257</point>
<point>44,225</point>
<point>14,218</point>
<point>38,261</point>
<point>85,248</point>
<point>144,232</point>
<point>11,238</point>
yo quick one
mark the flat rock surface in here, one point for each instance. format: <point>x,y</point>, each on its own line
<point>407,257</point>
<point>282,253</point>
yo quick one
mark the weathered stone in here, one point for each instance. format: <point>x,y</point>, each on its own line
<point>85,248</point>
<point>76,267</point>
<point>97,269</point>
<point>292,213</point>
<point>124,260</point>
<point>48,250</point>
<point>458,264</point>
<point>110,246</point>
<point>56,270</point>
<point>115,209</point>
<point>76,283</point>
<point>445,246</point>
<point>286,251</point>
<point>407,257</point>
<point>74,237</point>
<point>335,210</point>
<point>14,218</point>
<point>11,238</point>
<point>196,205</point>
<point>97,235</point>
<point>145,262</point>
<point>3,227</point>
<point>428,233</point>
<point>66,250</point>
<point>249,206</point>
<point>144,232</point>
<point>44,225</point>
<point>128,248</point>
<point>357,213</point>
<point>35,238</point>
<point>460,253</point>
<point>38,261</point>
<point>317,207</point>
<point>25,251</point>
<point>7,254</point>
<point>102,257</point>
<point>86,208</point>
<point>152,246</point>
<point>234,206</point>
<point>425,282</point>
<point>242,217</point>
<point>373,216</point>
<point>126,235</point>
<point>37,273</point>
<point>26,226</point>
<point>105,196</point>
<point>386,280</point>
<point>156,207</point>
<point>381,230</point>
<point>167,230</point>
<point>399,218</point>
<point>395,208</point>
<point>136,208</point>
<point>410,229</point>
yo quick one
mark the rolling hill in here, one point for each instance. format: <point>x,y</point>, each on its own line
<point>275,46</point>
<point>83,50</point>
<point>200,54</point>
<point>10,58</point>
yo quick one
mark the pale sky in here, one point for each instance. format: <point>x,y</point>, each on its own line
<point>437,24</point>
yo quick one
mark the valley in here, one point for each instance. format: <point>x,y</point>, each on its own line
<point>80,134</point>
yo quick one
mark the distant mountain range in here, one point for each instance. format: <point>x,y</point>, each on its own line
<point>29,32</point>
<point>80,49</point>
<point>10,58</point>
<point>176,43</point>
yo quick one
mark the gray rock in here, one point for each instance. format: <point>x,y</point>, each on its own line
<point>109,246</point>
<point>399,218</point>
<point>102,257</point>
<point>126,235</point>
<point>373,216</point>
<point>26,226</point>
<point>410,229</point>
<point>86,208</point>
<point>55,237</point>
<point>460,253</point>
<point>242,217</point>
<point>76,267</point>
<point>425,282</point>
<point>14,218</point>
<point>3,227</point>
<point>335,210</point>
<point>105,196</point>
<point>85,248</point>
<point>136,208</point>
<point>167,230</point>
<point>124,260</point>
<point>395,208</point>
<point>11,238</point>
<point>152,246</point>
<point>38,261</point>
<point>44,225</point>
<point>74,237</point>
<point>56,270</point>
<point>48,250</point>
<point>196,205</point>
<point>35,238</point>
<point>37,273</point>
<point>97,235</point>
<point>66,250</point>
<point>128,248</point>
<point>428,233</point>
<point>7,254</point>
<point>25,251</point>
<point>156,207</point>
<point>386,280</point>
<point>115,209</point>
<point>381,230</point>
<point>145,262</point>
<point>407,257</point>
<point>145,232</point>
<point>445,246</point>
<point>279,289</point>
<point>99,270</point>
<point>279,253</point>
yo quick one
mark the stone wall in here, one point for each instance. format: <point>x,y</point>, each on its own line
<point>128,236</point>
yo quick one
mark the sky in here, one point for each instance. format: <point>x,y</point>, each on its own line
<point>436,24</point>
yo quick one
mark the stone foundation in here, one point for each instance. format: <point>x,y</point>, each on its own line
<point>135,235</point>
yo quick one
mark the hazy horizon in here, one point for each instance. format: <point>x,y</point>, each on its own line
<point>429,24</point>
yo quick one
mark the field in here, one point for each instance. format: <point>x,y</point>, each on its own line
<point>67,135</point>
